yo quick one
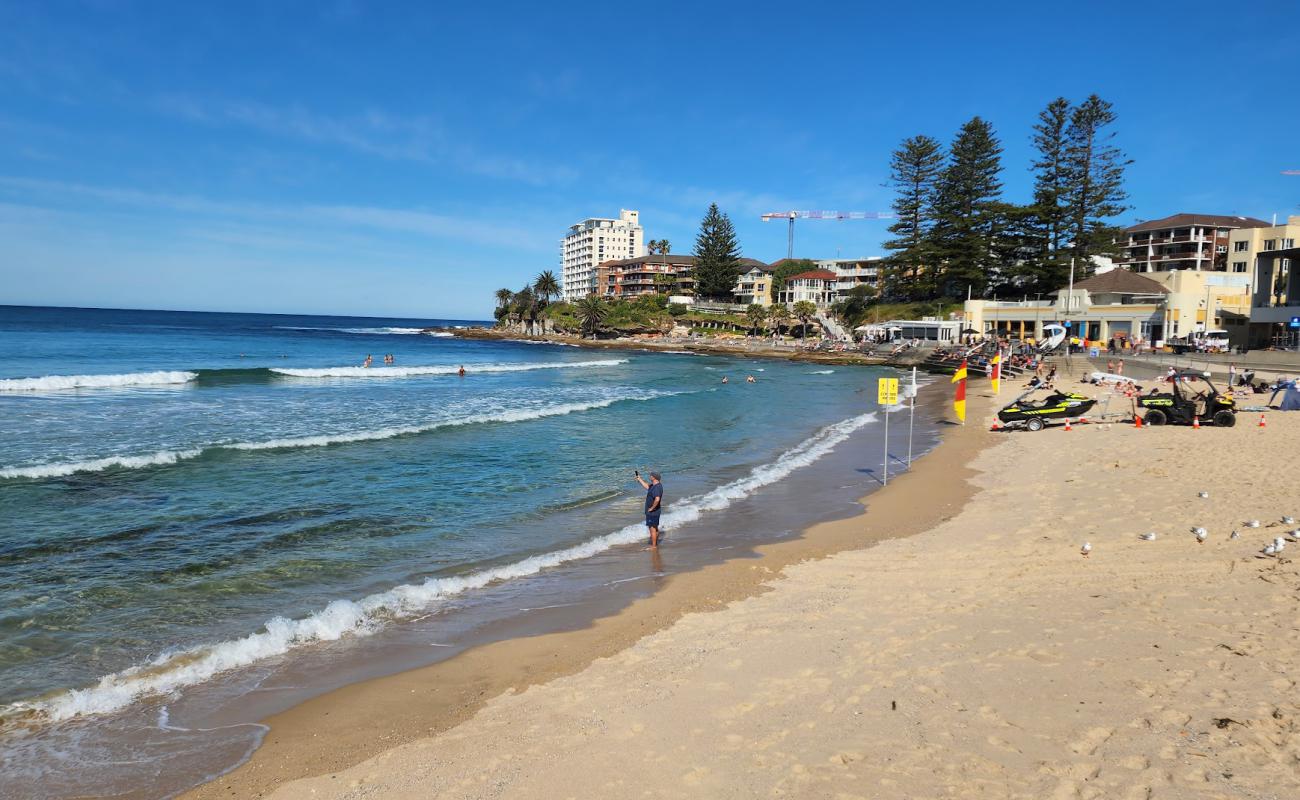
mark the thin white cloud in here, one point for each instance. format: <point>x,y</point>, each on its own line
<point>474,230</point>
<point>417,138</point>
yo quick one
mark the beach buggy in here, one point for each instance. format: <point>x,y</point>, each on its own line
<point>1035,414</point>
<point>1191,396</point>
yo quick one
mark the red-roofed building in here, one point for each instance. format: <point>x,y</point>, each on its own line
<point>816,286</point>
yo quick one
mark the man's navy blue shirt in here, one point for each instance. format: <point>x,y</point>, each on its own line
<point>655,490</point>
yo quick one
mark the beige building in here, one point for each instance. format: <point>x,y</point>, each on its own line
<point>593,242</point>
<point>754,285</point>
<point>1245,244</point>
<point>1150,308</point>
<point>1181,242</point>
<point>652,274</point>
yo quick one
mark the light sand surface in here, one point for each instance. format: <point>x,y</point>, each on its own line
<point>983,658</point>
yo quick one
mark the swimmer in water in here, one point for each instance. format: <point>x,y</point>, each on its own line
<point>461,371</point>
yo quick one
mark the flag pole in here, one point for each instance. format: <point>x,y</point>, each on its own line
<point>911,419</point>
<point>886,413</point>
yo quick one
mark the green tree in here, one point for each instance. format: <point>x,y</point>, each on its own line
<point>591,313</point>
<point>665,247</point>
<point>658,246</point>
<point>964,207</point>
<point>504,296</point>
<point>524,306</point>
<point>1096,177</point>
<point>914,171</point>
<point>778,314</point>
<point>546,286</point>
<point>757,315</point>
<point>717,255</point>
<point>1052,184</point>
<point>665,283</point>
<point>804,310</point>
<point>787,268</point>
<point>856,305</point>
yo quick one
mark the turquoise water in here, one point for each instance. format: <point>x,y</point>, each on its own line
<point>194,505</point>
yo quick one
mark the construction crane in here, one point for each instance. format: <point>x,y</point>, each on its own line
<point>794,215</point>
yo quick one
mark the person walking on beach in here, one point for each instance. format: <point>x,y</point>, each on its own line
<point>654,503</point>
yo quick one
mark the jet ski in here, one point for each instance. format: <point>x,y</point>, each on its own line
<point>1034,414</point>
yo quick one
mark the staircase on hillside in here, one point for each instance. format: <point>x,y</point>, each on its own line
<point>832,327</point>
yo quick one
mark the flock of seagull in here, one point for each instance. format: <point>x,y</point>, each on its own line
<point>1271,550</point>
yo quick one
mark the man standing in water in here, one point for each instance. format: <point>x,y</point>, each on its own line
<point>654,503</point>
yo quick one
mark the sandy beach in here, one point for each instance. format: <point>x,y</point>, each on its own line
<point>983,656</point>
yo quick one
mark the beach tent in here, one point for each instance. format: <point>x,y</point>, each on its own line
<point>1291,399</point>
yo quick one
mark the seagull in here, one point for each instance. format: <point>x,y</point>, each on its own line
<point>1147,537</point>
<point>1234,535</point>
<point>1279,543</point>
<point>1086,549</point>
<point>1201,535</point>
<point>1295,534</point>
<point>1288,520</point>
<point>1270,549</point>
<point>1202,495</point>
<point>1254,523</point>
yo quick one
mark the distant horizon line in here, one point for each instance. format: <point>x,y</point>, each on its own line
<point>255,313</point>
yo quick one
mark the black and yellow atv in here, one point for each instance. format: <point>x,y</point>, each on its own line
<point>1034,414</point>
<point>1191,396</point>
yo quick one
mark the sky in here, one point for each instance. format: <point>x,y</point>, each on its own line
<point>408,159</point>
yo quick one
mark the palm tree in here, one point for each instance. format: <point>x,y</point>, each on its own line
<point>665,283</point>
<point>757,316</point>
<point>778,313</point>
<point>591,312</point>
<point>504,296</point>
<point>546,286</point>
<point>658,246</point>
<point>804,310</point>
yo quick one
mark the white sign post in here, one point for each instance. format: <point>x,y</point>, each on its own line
<point>886,396</point>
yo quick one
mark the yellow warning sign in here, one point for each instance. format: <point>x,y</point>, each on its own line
<point>887,391</point>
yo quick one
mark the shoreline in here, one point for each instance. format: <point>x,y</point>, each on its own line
<point>344,727</point>
<point>742,347</point>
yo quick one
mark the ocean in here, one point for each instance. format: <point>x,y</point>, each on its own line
<point>206,517</point>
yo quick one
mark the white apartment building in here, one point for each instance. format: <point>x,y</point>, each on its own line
<point>853,272</point>
<point>593,241</point>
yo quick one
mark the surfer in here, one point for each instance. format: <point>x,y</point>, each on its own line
<point>654,503</point>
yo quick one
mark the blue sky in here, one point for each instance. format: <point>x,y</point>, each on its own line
<point>408,159</point>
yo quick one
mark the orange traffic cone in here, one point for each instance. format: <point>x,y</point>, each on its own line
<point>1196,423</point>
<point>1262,424</point>
<point>1067,423</point>
<point>1083,420</point>
<point>997,426</point>
<point>1137,421</point>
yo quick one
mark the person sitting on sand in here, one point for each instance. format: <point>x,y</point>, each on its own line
<point>654,503</point>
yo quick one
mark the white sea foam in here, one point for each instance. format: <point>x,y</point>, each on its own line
<point>442,369</point>
<point>173,671</point>
<point>52,383</point>
<point>822,372</point>
<point>59,470</point>
<point>56,470</point>
<point>368,331</point>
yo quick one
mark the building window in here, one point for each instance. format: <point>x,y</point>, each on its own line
<point>1239,266</point>
<point>1270,244</point>
<point>1240,247</point>
<point>1287,244</point>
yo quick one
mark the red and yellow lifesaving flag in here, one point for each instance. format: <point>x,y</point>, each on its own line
<point>959,398</point>
<point>995,372</point>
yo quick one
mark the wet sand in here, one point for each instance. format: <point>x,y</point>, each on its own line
<point>345,727</point>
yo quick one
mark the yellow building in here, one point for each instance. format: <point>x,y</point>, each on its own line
<point>754,285</point>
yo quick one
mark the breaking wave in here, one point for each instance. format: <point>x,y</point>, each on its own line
<point>176,670</point>
<point>442,369</point>
<point>52,383</point>
<point>167,457</point>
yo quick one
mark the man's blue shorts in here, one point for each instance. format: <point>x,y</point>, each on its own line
<point>652,520</point>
